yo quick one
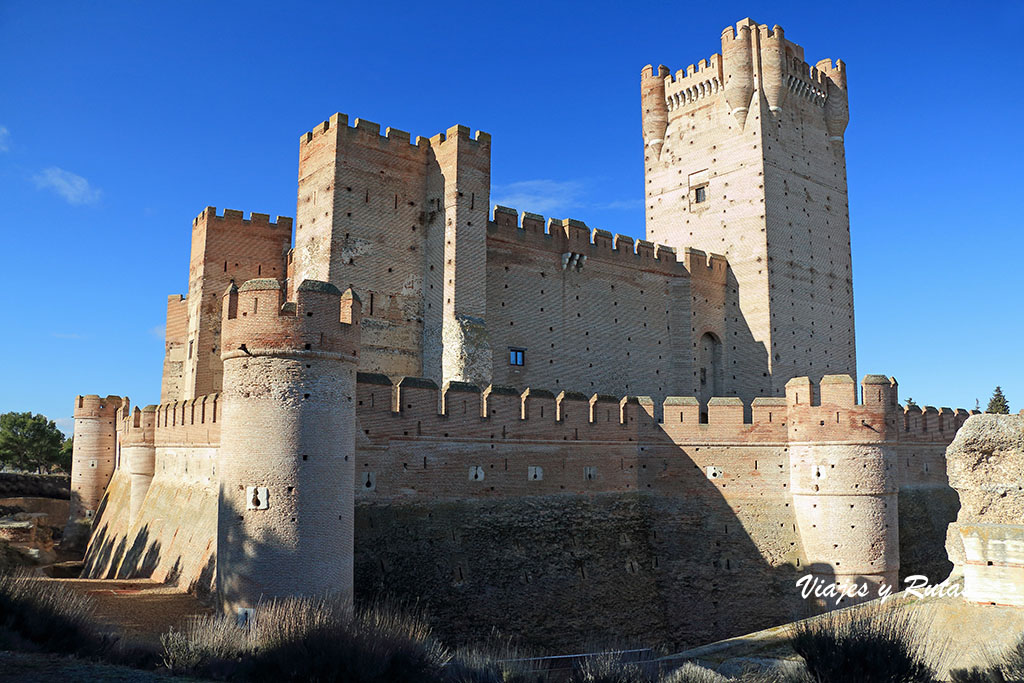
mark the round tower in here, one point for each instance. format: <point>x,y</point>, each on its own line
<point>842,474</point>
<point>738,69</point>
<point>94,453</point>
<point>138,450</point>
<point>287,450</point>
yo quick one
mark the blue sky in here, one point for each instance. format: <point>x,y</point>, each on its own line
<point>120,121</point>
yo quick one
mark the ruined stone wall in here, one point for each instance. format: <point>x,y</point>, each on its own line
<point>927,503</point>
<point>986,543</point>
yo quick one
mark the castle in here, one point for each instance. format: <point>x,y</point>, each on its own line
<point>533,423</point>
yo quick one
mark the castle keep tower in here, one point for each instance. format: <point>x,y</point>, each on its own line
<point>744,156</point>
<point>94,456</point>
<point>842,458</point>
<point>285,524</point>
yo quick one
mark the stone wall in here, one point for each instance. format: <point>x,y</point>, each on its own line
<point>986,543</point>
<point>174,537</point>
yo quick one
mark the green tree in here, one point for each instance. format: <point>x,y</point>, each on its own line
<point>997,404</point>
<point>911,403</point>
<point>29,442</point>
<point>64,456</point>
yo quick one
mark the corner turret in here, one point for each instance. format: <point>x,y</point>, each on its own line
<point>738,67</point>
<point>655,109</point>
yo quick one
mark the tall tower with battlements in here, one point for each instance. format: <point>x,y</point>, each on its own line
<point>404,223</point>
<point>744,157</point>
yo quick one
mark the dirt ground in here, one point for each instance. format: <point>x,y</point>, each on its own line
<point>139,608</point>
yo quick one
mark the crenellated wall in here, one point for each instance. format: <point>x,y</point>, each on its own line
<point>542,511</point>
<point>171,534</point>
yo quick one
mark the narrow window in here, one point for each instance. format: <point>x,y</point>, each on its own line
<point>699,195</point>
<point>516,356</point>
<point>190,348</point>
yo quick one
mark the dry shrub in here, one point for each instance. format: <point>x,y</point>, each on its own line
<point>864,645</point>
<point>692,673</point>
<point>309,639</point>
<point>609,668</point>
<point>498,660</point>
<point>42,616</point>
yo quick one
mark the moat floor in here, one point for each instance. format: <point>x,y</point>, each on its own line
<point>139,608</point>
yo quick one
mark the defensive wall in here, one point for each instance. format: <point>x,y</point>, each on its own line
<point>566,518</point>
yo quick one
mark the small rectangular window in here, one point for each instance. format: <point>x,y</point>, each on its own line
<point>699,195</point>
<point>517,356</point>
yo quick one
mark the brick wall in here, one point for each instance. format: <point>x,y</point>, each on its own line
<point>225,249</point>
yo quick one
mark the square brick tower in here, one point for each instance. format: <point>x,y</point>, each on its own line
<point>744,156</point>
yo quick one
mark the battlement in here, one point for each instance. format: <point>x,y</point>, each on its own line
<point>826,412</point>
<point>830,411</point>
<point>371,131</point>
<point>932,424</point>
<point>257,319</point>
<point>712,266</point>
<point>650,73</point>
<point>742,27</point>
<point>694,83</point>
<point>195,422</point>
<point>574,239</point>
<point>138,426</point>
<point>233,217</point>
<point>92,405</point>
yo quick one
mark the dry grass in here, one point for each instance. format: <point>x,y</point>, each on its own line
<point>309,639</point>
<point>864,646</point>
<point>37,616</point>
